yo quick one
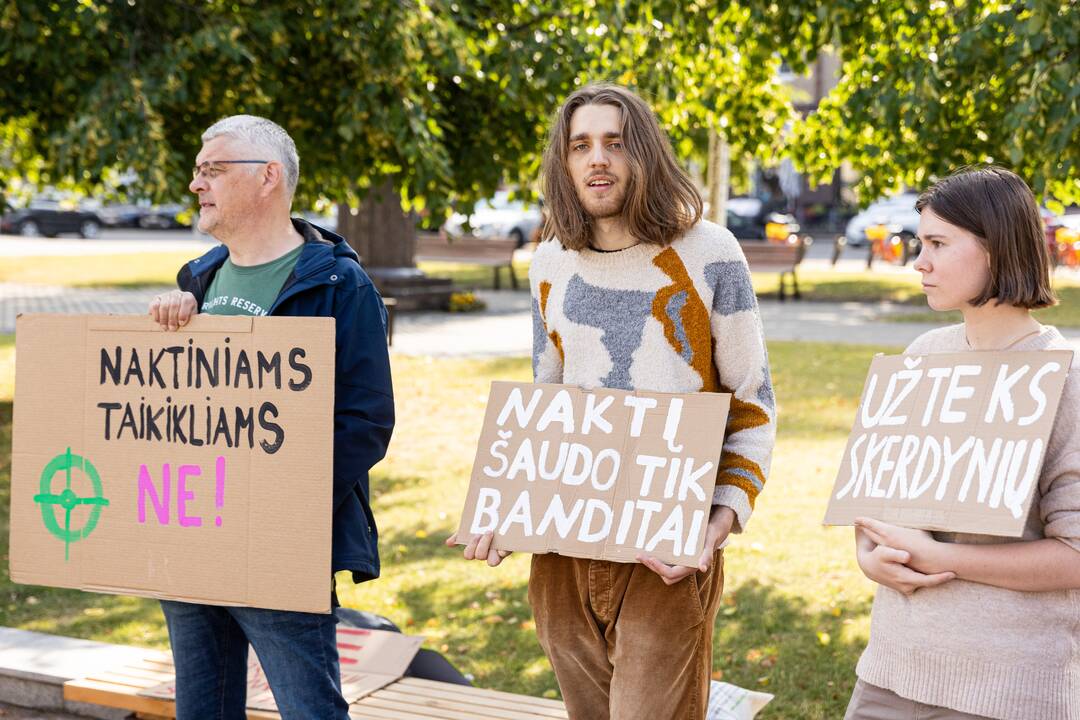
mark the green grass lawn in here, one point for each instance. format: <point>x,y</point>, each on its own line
<point>795,610</point>
<point>130,270</point>
<point>1065,314</point>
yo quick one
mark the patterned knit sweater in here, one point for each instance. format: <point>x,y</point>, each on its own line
<point>676,319</point>
<point>981,649</point>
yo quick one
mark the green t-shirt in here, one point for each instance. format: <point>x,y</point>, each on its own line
<point>250,290</point>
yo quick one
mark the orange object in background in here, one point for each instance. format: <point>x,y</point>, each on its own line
<point>1068,246</point>
<point>885,244</point>
<point>777,232</point>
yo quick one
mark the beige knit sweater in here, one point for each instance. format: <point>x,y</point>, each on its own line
<point>981,649</point>
<point>680,319</point>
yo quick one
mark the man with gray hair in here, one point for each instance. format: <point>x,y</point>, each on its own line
<point>271,264</point>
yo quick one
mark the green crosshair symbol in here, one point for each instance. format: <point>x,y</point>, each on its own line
<point>68,500</point>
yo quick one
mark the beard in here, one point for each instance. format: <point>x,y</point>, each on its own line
<point>603,208</point>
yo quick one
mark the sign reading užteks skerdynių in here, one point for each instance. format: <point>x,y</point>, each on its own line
<point>193,465</point>
<point>951,441</point>
<point>598,473</point>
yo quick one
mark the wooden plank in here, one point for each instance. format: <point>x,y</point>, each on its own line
<point>480,708</point>
<point>123,680</point>
<point>374,702</point>
<point>410,698</point>
<point>148,676</point>
<point>500,694</point>
<point>382,713</point>
<point>483,699</point>
<point>110,695</point>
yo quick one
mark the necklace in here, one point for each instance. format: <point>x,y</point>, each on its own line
<point>596,249</point>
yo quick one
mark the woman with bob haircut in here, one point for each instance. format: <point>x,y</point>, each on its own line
<point>974,626</point>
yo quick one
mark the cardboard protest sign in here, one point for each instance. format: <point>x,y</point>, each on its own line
<point>951,441</point>
<point>370,660</point>
<point>596,473</point>
<point>193,465</point>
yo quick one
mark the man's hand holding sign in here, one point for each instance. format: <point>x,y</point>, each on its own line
<point>606,474</point>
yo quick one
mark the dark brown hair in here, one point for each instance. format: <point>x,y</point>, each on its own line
<point>996,206</point>
<point>660,202</point>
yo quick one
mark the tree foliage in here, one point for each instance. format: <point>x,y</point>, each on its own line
<point>927,87</point>
<point>426,92</point>
<point>447,98</point>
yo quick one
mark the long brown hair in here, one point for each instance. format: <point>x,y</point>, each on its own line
<point>660,202</point>
<point>997,207</point>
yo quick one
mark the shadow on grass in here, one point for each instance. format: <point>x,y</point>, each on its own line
<point>765,639</point>
<point>769,641</point>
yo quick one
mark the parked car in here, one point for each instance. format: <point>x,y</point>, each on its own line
<point>162,217</point>
<point>749,219</point>
<point>896,213</point>
<point>48,218</point>
<point>120,215</point>
<point>142,215</point>
<point>498,217</point>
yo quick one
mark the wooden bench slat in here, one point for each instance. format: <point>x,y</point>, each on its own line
<point>111,695</point>
<point>479,709</point>
<point>124,679</point>
<point>148,676</point>
<point>381,713</point>
<point>482,698</point>
<point>779,258</point>
<point>373,701</point>
<point>496,253</point>
<point>407,698</point>
<point>359,713</point>
<point>499,694</point>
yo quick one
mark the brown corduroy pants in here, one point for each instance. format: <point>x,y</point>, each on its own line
<point>624,645</point>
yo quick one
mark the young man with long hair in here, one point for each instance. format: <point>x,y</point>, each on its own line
<point>633,290</point>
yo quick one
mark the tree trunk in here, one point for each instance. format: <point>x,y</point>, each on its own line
<point>719,177</point>
<point>381,233</point>
<point>385,239</point>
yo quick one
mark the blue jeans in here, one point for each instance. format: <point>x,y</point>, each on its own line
<point>298,653</point>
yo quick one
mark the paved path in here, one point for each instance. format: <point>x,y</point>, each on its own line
<point>111,242</point>
<point>14,712</point>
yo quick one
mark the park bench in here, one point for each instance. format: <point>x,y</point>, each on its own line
<point>495,252</point>
<point>783,257</point>
<point>410,698</point>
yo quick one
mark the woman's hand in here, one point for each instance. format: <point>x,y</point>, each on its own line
<point>925,554</point>
<point>888,566</point>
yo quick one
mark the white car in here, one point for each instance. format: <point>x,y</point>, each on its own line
<point>898,212</point>
<point>498,217</point>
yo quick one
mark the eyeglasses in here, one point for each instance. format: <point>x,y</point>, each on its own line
<point>212,168</point>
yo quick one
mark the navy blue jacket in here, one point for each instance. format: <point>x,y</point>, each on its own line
<point>329,282</point>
